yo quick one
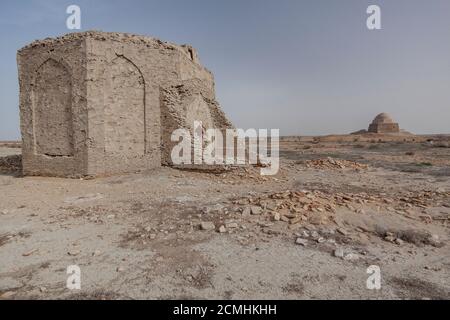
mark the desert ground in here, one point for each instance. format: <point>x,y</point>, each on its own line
<point>337,206</point>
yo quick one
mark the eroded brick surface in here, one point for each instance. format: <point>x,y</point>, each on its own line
<point>96,103</point>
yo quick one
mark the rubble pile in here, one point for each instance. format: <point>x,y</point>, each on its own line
<point>330,163</point>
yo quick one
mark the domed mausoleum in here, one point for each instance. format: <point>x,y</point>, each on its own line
<point>383,123</point>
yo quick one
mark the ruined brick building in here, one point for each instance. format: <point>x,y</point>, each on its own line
<point>383,123</point>
<point>96,103</point>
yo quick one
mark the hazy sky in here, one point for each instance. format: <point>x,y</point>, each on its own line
<point>305,66</point>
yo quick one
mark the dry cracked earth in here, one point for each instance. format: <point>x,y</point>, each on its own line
<point>310,232</point>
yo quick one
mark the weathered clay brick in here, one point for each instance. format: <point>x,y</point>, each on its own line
<point>96,103</point>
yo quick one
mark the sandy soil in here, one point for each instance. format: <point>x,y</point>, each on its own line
<point>311,232</point>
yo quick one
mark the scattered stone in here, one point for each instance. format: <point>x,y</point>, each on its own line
<point>330,163</point>
<point>305,234</point>
<point>295,220</point>
<point>342,231</point>
<point>29,253</point>
<point>435,241</point>
<point>222,229</point>
<point>276,216</point>
<point>7,295</point>
<point>321,240</point>
<point>318,219</point>
<point>246,212</point>
<point>207,225</point>
<point>434,237</point>
<point>302,242</point>
<point>265,224</point>
<point>399,241</point>
<point>256,210</point>
<point>351,257</point>
<point>120,269</point>
<point>339,252</point>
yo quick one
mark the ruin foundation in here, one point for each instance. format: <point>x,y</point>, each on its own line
<point>96,103</point>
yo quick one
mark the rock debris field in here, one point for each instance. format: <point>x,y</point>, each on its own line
<point>310,232</point>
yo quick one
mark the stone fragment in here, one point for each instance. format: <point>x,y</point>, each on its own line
<point>73,252</point>
<point>295,220</point>
<point>314,234</point>
<point>321,240</point>
<point>305,234</point>
<point>231,225</point>
<point>351,257</point>
<point>276,216</point>
<point>390,238</point>
<point>247,211</point>
<point>7,295</point>
<point>256,210</point>
<point>383,123</point>
<point>318,219</point>
<point>339,252</point>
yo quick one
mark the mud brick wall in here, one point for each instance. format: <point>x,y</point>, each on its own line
<point>97,103</point>
<point>384,128</point>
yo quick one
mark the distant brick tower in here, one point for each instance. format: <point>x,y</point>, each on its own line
<point>383,123</point>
